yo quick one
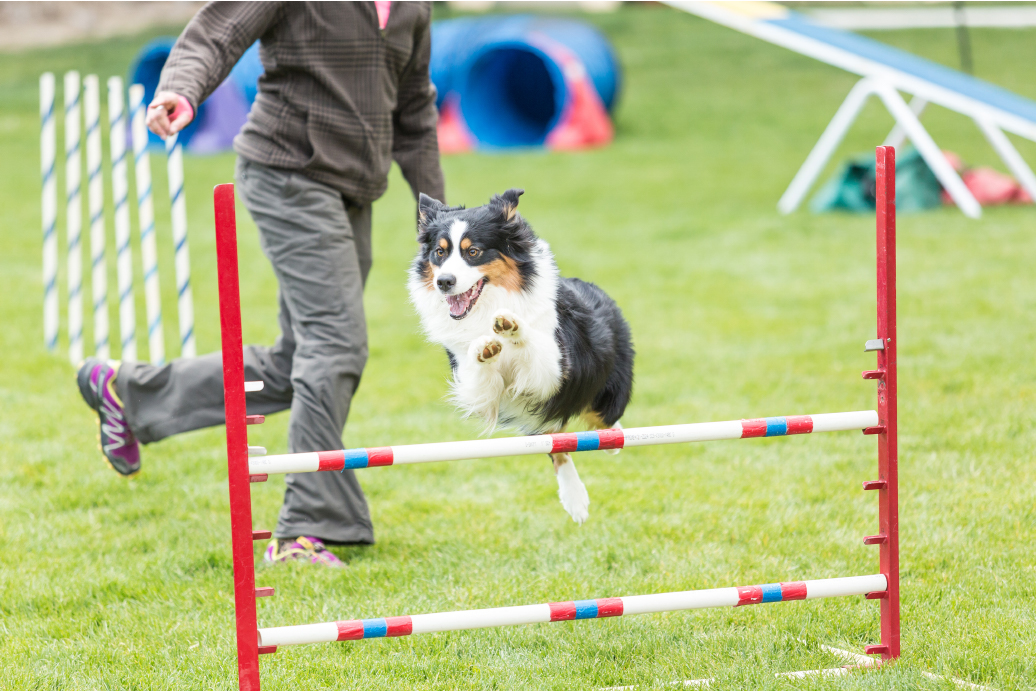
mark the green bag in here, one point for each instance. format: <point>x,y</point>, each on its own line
<point>852,188</point>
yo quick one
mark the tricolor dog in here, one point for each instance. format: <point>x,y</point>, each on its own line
<point>529,350</point>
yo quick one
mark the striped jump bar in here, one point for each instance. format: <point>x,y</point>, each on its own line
<point>556,443</point>
<point>357,629</point>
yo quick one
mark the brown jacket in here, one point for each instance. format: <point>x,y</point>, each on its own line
<point>340,98</point>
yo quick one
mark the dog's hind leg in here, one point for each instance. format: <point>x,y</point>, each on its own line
<point>571,489</point>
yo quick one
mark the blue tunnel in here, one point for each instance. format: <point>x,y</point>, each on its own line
<point>507,78</point>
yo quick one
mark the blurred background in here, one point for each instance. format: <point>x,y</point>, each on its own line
<point>654,143</point>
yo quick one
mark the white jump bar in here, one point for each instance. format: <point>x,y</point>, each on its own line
<point>556,443</point>
<point>357,629</point>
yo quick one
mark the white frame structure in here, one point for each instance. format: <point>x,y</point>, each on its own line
<point>886,82</point>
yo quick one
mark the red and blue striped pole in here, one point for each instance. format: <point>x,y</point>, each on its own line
<point>557,443</point>
<point>358,629</point>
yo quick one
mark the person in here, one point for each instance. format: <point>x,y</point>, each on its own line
<point>346,91</point>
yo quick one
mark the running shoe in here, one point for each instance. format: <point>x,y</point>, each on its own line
<point>96,381</point>
<point>311,548</point>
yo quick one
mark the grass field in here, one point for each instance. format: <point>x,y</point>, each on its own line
<point>736,312</point>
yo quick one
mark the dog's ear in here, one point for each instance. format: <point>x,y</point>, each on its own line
<point>427,210</point>
<point>507,203</point>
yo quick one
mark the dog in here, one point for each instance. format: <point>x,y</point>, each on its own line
<point>529,350</point>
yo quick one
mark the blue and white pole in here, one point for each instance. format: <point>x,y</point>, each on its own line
<point>146,220</point>
<point>185,303</point>
<point>48,145</point>
<point>120,193</point>
<point>74,217</point>
<point>95,199</point>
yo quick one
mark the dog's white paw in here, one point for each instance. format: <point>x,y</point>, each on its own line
<point>573,494</point>
<point>505,323</point>
<point>486,349</point>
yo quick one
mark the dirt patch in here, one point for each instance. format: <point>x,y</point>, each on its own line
<point>32,24</point>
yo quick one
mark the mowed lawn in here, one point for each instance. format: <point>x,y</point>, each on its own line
<point>107,583</point>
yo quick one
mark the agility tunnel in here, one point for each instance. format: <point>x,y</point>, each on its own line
<point>523,81</point>
<point>247,465</point>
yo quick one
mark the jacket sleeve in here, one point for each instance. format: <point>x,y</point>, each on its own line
<point>415,146</point>
<point>210,46</point>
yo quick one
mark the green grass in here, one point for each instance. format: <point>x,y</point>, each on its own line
<point>736,312</point>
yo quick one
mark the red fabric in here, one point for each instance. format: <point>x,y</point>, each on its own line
<point>383,7</point>
<point>988,185</point>
<point>451,131</point>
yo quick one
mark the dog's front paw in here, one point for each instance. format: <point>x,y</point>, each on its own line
<point>573,494</point>
<point>486,349</point>
<point>506,324</point>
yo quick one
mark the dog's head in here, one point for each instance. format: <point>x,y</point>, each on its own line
<point>467,251</point>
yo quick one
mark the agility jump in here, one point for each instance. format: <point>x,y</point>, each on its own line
<point>244,470</point>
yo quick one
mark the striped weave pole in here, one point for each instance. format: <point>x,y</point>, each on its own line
<point>358,629</point>
<point>95,199</point>
<point>48,146</point>
<point>120,193</point>
<point>185,303</point>
<point>73,217</point>
<point>558,443</point>
<point>146,221</point>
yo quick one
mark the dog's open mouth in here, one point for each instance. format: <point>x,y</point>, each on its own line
<point>462,303</point>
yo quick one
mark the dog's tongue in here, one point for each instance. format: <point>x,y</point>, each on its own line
<point>459,303</point>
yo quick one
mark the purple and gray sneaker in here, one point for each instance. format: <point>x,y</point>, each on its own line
<point>96,381</point>
<point>310,548</point>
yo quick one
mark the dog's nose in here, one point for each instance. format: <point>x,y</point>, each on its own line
<point>446,282</point>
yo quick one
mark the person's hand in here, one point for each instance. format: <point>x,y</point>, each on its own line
<point>168,114</point>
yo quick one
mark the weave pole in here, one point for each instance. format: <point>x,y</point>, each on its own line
<point>120,194</point>
<point>358,629</point>
<point>95,199</point>
<point>146,222</point>
<point>241,533</point>
<point>185,303</point>
<point>73,217</point>
<point>560,443</point>
<point>49,212</point>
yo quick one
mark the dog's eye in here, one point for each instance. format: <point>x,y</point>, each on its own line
<point>439,251</point>
<point>474,252</point>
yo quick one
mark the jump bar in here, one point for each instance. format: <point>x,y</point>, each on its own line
<point>556,443</point>
<point>357,629</point>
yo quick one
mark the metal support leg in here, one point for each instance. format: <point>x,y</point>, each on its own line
<point>929,151</point>
<point>828,142</point>
<point>898,135</point>
<point>1009,155</point>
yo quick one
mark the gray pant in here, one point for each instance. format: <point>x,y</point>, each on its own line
<point>320,248</point>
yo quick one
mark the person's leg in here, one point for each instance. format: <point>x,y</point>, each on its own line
<point>320,252</point>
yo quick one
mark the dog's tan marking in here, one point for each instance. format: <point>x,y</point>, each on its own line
<point>594,420</point>
<point>444,243</point>
<point>426,276</point>
<point>559,459</point>
<point>510,210</point>
<point>504,273</point>
<point>465,243</point>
